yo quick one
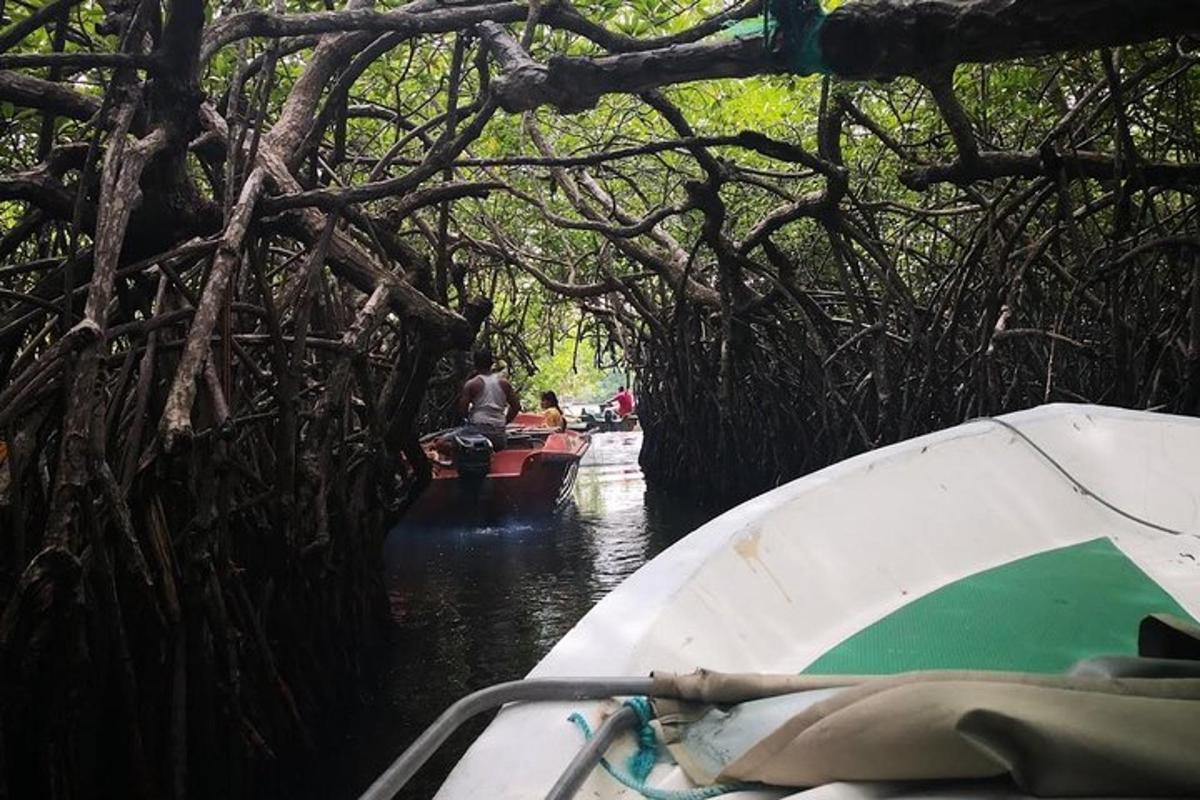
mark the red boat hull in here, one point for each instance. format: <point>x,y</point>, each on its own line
<point>534,477</point>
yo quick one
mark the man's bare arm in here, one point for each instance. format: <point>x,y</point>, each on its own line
<point>467,394</point>
<point>514,402</point>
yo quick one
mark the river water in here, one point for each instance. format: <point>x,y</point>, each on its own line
<point>471,607</point>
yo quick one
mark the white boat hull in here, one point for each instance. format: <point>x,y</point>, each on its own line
<point>775,583</point>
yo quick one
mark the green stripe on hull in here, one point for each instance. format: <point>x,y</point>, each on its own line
<point>1041,613</point>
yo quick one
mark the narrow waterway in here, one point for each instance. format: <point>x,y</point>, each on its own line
<point>471,607</point>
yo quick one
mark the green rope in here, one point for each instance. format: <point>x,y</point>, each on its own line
<point>640,764</point>
<point>791,31</point>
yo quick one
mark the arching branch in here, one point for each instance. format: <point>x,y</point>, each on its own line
<point>866,39</point>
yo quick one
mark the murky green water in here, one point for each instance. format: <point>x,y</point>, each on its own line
<point>472,607</point>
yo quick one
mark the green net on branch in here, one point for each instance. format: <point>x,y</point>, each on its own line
<point>790,30</point>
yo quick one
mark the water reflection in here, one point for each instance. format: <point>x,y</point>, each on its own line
<point>474,606</point>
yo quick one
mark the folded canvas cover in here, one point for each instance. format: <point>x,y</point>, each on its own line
<point>1054,735</point>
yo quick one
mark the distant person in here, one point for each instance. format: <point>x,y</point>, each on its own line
<point>552,413</point>
<point>488,401</point>
<point>624,400</point>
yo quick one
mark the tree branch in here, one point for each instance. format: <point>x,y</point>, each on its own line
<point>866,39</point>
<point>329,199</point>
<point>13,34</point>
<point>1031,164</point>
<point>177,413</point>
<point>27,91</point>
<point>880,39</point>
<point>576,83</point>
<point>419,17</point>
<point>76,60</point>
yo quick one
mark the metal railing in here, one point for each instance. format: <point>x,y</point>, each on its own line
<point>626,719</point>
<point>403,768</point>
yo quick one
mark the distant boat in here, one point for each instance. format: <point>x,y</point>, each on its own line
<point>1021,543</point>
<point>606,422</point>
<point>533,474</point>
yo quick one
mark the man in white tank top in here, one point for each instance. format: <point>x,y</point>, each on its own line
<point>488,401</point>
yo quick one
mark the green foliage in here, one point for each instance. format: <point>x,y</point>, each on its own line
<point>570,370</point>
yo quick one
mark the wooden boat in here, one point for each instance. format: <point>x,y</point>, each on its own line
<point>624,424</point>
<point>1020,543</point>
<point>533,475</point>
<point>605,424</point>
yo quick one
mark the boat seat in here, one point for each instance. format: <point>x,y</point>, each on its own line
<point>519,440</point>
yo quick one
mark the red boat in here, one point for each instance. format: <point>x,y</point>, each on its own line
<point>533,474</point>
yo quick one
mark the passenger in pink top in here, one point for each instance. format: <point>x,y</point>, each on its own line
<point>624,400</point>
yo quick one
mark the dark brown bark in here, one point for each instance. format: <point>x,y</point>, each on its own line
<point>123,171</point>
<point>177,415</point>
<point>872,39</point>
<point>881,39</point>
<point>1096,166</point>
<point>571,83</point>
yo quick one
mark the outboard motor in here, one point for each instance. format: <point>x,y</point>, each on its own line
<point>473,456</point>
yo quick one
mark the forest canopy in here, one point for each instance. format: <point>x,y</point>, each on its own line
<point>245,247</point>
